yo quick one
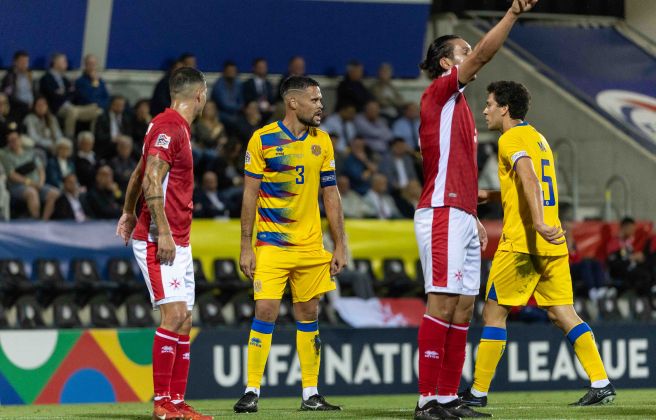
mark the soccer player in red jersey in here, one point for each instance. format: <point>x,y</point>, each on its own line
<point>165,175</point>
<point>449,235</point>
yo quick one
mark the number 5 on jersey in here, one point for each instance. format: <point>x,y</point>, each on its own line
<point>548,180</point>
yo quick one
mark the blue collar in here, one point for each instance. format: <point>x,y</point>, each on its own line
<point>289,133</point>
<point>522,123</point>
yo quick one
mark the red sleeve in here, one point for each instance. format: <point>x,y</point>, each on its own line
<point>445,85</point>
<point>165,141</point>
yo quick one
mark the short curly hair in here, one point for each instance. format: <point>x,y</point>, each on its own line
<point>513,95</point>
<point>441,47</point>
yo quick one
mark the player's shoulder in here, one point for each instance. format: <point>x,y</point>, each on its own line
<point>320,134</point>
<point>271,128</point>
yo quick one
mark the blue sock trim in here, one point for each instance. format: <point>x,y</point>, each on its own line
<point>492,294</point>
<point>307,326</point>
<point>262,327</point>
<point>494,333</point>
<point>577,331</point>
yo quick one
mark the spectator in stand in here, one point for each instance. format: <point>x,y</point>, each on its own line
<point>354,206</point>
<point>42,126</point>
<point>409,199</point>
<point>340,155</point>
<point>398,166</point>
<point>229,168</point>
<point>626,261</point>
<point>71,204</point>
<point>295,67</point>
<point>351,90</point>
<point>247,122</point>
<point>228,95</point>
<point>90,88</point>
<point>588,275</point>
<point>7,119</point>
<point>59,91</point>
<point>208,201</point>
<point>373,128</point>
<point>18,85</point>
<point>342,124</point>
<point>259,89</point>
<point>162,93</point>
<point>142,118</point>
<point>188,59</point>
<point>359,167</point>
<point>5,199</point>
<point>61,164</point>
<point>85,161</point>
<point>27,177</point>
<point>208,132</point>
<point>387,95</point>
<point>113,123</point>
<point>378,198</point>
<point>407,126</point>
<point>105,197</point>
<point>124,162</point>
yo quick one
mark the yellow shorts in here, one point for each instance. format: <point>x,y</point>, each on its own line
<point>515,276</point>
<point>308,273</point>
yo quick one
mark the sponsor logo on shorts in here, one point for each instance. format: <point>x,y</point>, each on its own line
<point>167,349</point>
<point>163,141</point>
<point>257,285</point>
<point>431,354</point>
<point>316,149</point>
<point>255,342</point>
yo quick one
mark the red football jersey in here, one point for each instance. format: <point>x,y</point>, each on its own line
<point>447,136</point>
<point>169,136</point>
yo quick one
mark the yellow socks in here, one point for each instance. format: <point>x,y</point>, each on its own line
<point>586,351</point>
<point>490,350</point>
<point>259,344</point>
<point>308,346</point>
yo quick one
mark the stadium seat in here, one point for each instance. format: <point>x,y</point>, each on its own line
<point>641,309</point>
<point>227,277</point>
<point>363,265</point>
<point>103,313</point>
<point>65,312</point>
<point>119,272</point>
<point>87,280</point>
<point>353,283</point>
<point>29,313</point>
<point>419,272</point>
<point>608,310</point>
<point>199,273</point>
<point>244,309</point>
<point>50,282</point>
<point>286,312</point>
<point>209,309</point>
<point>13,281</point>
<point>397,281</point>
<point>4,322</point>
<point>581,308</point>
<point>202,285</point>
<point>139,311</point>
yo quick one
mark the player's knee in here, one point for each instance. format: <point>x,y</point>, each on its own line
<point>174,318</point>
<point>443,312</point>
<point>266,312</point>
<point>554,316</point>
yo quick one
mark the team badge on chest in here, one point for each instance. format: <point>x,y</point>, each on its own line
<point>316,149</point>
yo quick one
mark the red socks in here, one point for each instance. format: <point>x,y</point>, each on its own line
<point>165,345</point>
<point>431,338</point>
<point>180,370</point>
<point>454,359</point>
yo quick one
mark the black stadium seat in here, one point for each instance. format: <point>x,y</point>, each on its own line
<point>209,309</point>
<point>13,281</point>
<point>202,286</point>
<point>103,313</point>
<point>120,273</point>
<point>87,280</point>
<point>29,313</point>
<point>50,282</point>
<point>139,311</point>
<point>227,277</point>
<point>396,280</point>
<point>65,312</point>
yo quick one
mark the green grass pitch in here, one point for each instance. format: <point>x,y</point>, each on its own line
<point>630,404</point>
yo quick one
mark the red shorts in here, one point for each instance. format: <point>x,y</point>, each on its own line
<point>449,250</point>
<point>166,283</point>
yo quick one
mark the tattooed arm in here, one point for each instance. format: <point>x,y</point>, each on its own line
<point>156,170</point>
<point>128,220</point>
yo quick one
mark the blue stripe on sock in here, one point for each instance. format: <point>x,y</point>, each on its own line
<point>307,326</point>
<point>494,333</point>
<point>262,327</point>
<point>577,331</point>
<point>492,294</point>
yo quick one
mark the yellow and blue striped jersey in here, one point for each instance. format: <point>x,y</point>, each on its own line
<point>518,235</point>
<point>292,170</point>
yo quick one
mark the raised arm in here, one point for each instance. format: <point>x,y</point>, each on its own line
<point>128,220</point>
<point>534,197</point>
<point>248,209</point>
<point>492,41</point>
<point>156,170</point>
<point>333,205</point>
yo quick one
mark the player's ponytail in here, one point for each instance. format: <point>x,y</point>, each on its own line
<point>441,47</point>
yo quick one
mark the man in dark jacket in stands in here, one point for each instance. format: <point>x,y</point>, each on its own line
<point>71,204</point>
<point>105,197</point>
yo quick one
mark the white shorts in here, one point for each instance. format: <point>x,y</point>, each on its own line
<point>449,250</point>
<point>166,283</point>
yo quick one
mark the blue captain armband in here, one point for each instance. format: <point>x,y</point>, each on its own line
<point>328,178</point>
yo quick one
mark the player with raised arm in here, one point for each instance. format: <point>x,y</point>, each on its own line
<point>288,162</point>
<point>449,235</point>
<point>532,257</point>
<point>165,177</point>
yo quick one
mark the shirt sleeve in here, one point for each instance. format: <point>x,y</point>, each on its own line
<point>328,177</point>
<point>511,149</point>
<point>254,163</point>
<point>165,142</point>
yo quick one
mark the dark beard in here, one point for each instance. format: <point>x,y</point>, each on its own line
<point>310,122</point>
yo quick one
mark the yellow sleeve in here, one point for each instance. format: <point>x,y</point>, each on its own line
<point>254,163</point>
<point>328,176</point>
<point>511,149</point>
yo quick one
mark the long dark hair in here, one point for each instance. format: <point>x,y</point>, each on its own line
<point>441,47</point>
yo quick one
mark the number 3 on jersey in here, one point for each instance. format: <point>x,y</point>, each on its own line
<point>300,169</point>
<point>549,181</point>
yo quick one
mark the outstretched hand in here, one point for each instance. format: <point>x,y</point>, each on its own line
<point>522,6</point>
<point>125,226</point>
